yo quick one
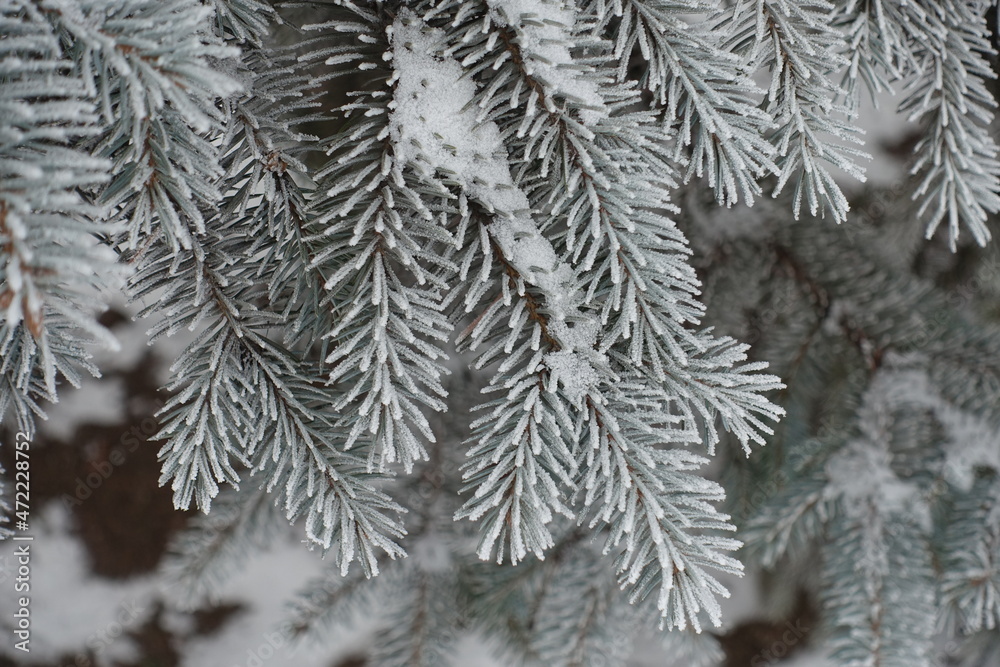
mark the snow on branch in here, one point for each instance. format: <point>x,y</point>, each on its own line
<point>434,126</point>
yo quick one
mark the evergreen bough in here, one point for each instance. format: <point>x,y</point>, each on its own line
<point>390,203</point>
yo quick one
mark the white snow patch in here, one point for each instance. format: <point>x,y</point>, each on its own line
<point>97,401</point>
<point>861,474</point>
<point>267,582</point>
<point>574,372</point>
<point>972,441</point>
<point>431,553</point>
<point>434,129</point>
<point>545,32</point>
<point>71,609</point>
<point>131,336</point>
<point>473,650</point>
<point>862,470</point>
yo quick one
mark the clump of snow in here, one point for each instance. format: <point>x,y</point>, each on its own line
<point>972,443</point>
<point>575,373</point>
<point>972,440</point>
<point>544,33</point>
<point>861,473</point>
<point>434,130</point>
<point>430,552</point>
<point>430,128</point>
